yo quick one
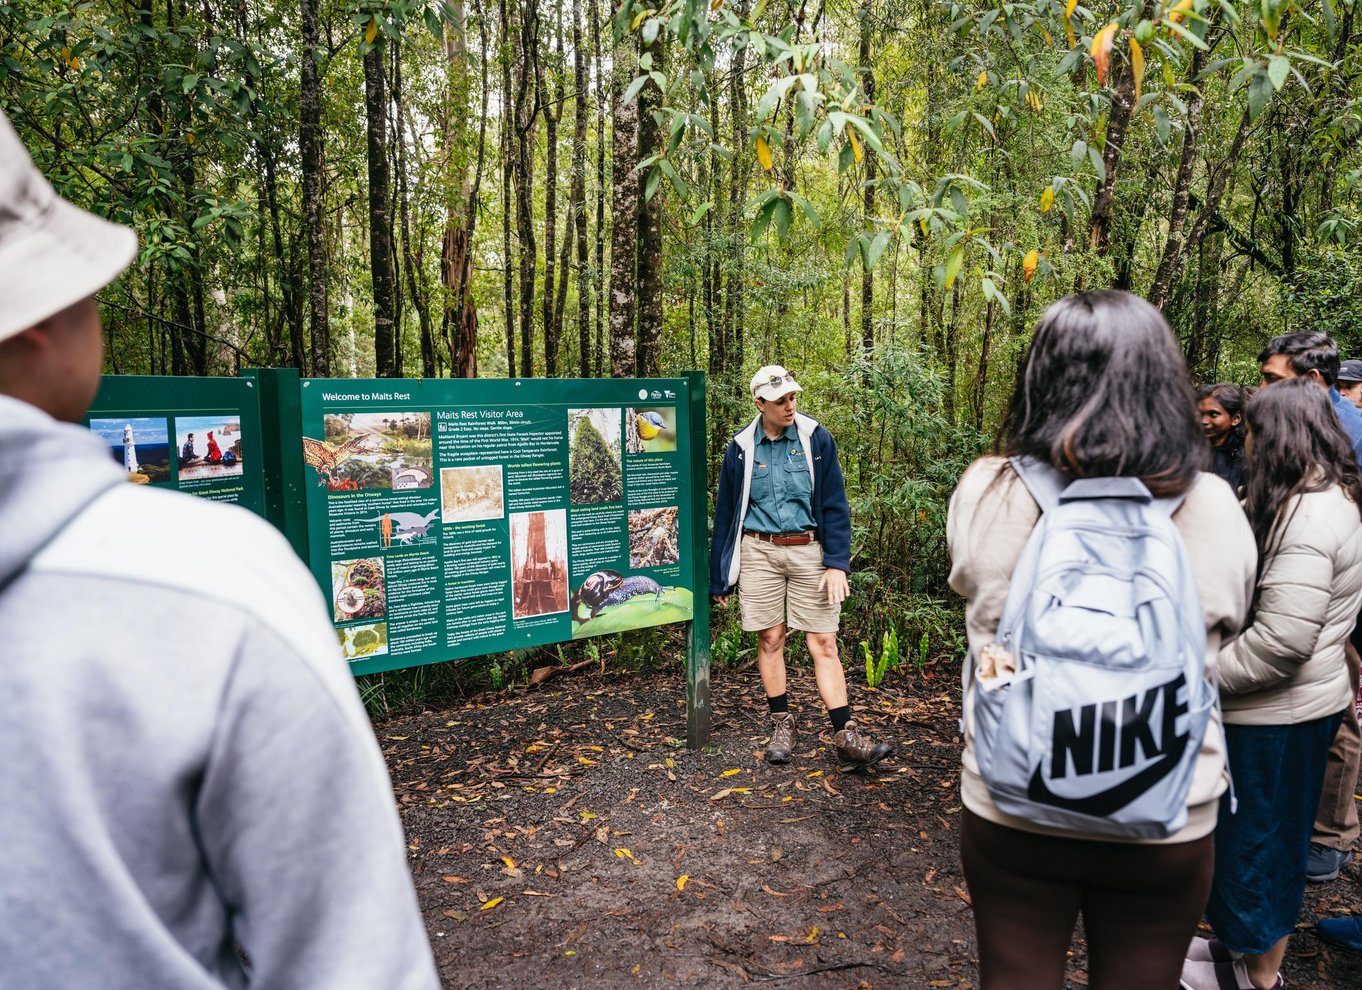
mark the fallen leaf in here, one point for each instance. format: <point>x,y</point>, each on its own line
<point>730,773</point>
<point>773,892</point>
<point>813,934</point>
<point>681,881</point>
<point>456,915</point>
<point>962,894</point>
<point>828,909</point>
<point>456,880</point>
<point>537,893</point>
<point>510,863</point>
<point>491,904</point>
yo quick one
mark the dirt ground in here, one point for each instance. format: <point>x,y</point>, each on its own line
<point>565,837</point>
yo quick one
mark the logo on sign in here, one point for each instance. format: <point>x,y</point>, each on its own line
<point>643,393</point>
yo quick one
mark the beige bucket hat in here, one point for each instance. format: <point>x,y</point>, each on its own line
<point>52,254</point>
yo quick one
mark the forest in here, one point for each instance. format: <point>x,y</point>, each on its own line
<point>879,194</point>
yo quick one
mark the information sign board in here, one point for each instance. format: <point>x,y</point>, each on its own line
<point>453,518</point>
<point>195,435</point>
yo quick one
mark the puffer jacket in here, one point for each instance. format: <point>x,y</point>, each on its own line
<point>1287,665</point>
<point>991,518</point>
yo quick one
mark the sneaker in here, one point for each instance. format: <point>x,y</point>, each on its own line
<point>1198,974</point>
<point>855,750</point>
<point>1346,932</point>
<point>1325,863</point>
<point>1211,950</point>
<point>782,744</point>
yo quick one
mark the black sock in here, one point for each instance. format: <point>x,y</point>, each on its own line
<point>840,717</point>
<point>779,704</point>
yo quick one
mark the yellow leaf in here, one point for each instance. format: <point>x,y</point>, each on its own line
<point>813,934</point>
<point>587,815</point>
<point>981,82</point>
<point>510,863</point>
<point>1073,36</point>
<point>855,145</point>
<point>1179,10</point>
<point>730,773</point>
<point>1101,51</point>
<point>491,904</point>
<point>1045,34</point>
<point>681,881</point>
<point>1047,199</point>
<point>639,18</point>
<point>585,761</point>
<point>1069,9</point>
<point>1137,66</point>
<point>371,32</point>
<point>1029,264</point>
<point>764,154</point>
<point>1032,100</point>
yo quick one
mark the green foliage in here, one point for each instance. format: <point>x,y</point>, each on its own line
<point>593,467</point>
<point>887,659</point>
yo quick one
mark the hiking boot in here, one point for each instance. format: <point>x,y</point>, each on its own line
<point>782,744</point>
<point>1325,863</point>
<point>1207,975</point>
<point>1346,932</point>
<point>855,750</point>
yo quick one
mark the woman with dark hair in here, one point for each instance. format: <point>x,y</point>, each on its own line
<point>1221,407</point>
<point>1102,392</point>
<point>1283,681</point>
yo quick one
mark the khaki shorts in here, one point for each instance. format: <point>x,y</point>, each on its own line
<point>779,585</point>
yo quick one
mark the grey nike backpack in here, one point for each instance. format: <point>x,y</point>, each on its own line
<point>1098,729</point>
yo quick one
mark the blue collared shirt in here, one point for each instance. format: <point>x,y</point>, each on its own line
<point>1350,419</point>
<point>781,499</point>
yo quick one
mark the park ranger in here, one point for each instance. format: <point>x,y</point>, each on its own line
<point>782,536</point>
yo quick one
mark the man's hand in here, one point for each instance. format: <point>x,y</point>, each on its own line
<point>834,582</point>
<point>719,599</point>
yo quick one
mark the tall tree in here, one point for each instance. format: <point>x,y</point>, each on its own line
<point>650,220</point>
<point>381,272</point>
<point>624,213</point>
<point>313,179</point>
<point>577,193</point>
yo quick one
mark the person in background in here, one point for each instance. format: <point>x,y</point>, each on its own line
<point>182,811</point>
<point>1103,391</point>
<point>1221,407</point>
<point>1312,355</point>
<point>1350,381</point>
<point>782,535</point>
<point>1284,683</point>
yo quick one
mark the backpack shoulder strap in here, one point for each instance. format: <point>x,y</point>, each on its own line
<point>1045,483</point>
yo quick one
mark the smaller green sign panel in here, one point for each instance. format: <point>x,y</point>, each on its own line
<point>454,518</point>
<point>195,435</point>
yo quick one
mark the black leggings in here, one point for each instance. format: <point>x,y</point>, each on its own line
<point>1140,906</point>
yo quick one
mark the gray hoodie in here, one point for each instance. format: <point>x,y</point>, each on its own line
<point>187,765</point>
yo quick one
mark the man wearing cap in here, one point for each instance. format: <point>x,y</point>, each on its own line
<point>1350,381</point>
<point>782,536</point>
<point>179,811</point>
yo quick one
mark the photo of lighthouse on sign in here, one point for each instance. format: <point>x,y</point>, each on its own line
<point>139,444</point>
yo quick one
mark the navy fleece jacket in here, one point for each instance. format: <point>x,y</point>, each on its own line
<point>831,514</point>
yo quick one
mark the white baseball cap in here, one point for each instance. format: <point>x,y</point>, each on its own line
<point>772,381</point>
<point>52,254</point>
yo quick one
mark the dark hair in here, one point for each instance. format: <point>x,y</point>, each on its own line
<point>1231,398</point>
<point>1298,446</point>
<point>1309,350</point>
<point>1103,391</point>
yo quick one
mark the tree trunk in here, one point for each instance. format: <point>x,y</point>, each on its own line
<point>458,314</point>
<point>577,194</point>
<point>310,146</point>
<point>1118,120</point>
<point>524,173</point>
<point>624,213</point>
<point>508,127</point>
<point>598,271</point>
<point>1171,259</point>
<point>552,112</point>
<point>380,216</point>
<point>650,227</point>
<point>868,200</point>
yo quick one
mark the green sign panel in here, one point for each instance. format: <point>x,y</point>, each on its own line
<point>195,435</point>
<point>454,518</point>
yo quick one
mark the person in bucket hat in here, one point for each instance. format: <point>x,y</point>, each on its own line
<point>180,810</point>
<point>782,536</point>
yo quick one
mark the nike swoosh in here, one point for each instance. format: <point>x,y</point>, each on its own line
<point>1114,798</point>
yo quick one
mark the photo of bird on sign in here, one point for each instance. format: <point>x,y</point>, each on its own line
<point>651,431</point>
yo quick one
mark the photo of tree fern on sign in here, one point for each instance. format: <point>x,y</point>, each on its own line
<point>594,467</point>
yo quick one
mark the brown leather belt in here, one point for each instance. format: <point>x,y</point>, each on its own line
<point>782,539</point>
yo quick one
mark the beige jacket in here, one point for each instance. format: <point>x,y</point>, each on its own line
<point>986,531</point>
<point>1287,666</point>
